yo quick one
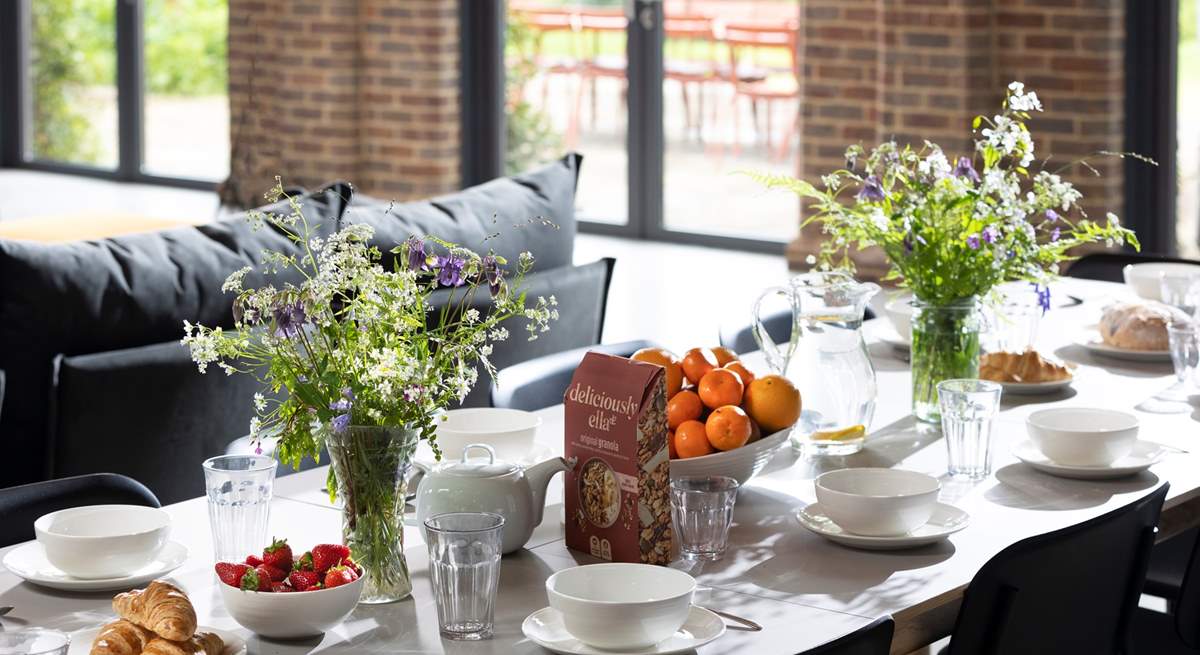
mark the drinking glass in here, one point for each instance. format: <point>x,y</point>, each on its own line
<point>968,409</point>
<point>1014,322</point>
<point>1185,352</point>
<point>464,564</point>
<point>239,503</point>
<point>34,641</point>
<point>1180,290</point>
<point>702,510</point>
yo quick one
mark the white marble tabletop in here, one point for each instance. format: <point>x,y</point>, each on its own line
<point>803,589</point>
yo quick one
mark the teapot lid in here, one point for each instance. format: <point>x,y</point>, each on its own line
<point>478,468</point>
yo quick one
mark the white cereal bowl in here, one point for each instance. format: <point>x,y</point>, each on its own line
<point>509,431</point>
<point>102,541</point>
<point>878,502</point>
<point>1144,279</point>
<point>291,615</point>
<point>1083,436</point>
<point>741,464</point>
<point>899,312</point>
<point>621,607</point>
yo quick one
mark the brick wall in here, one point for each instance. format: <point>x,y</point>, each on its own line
<point>922,69</point>
<point>360,90</point>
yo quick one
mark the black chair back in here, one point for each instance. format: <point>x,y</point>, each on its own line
<point>1069,591</point>
<point>739,337</point>
<point>22,505</point>
<point>1187,603</point>
<point>1108,266</point>
<point>542,382</point>
<point>875,639</point>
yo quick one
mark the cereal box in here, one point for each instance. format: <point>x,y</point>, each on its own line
<point>618,502</point>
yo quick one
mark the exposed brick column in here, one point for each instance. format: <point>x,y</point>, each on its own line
<point>922,69</point>
<point>361,90</point>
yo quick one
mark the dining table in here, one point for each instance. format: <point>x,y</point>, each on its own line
<point>802,589</point>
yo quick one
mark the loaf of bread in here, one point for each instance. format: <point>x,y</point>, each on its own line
<point>1028,367</point>
<point>1138,326</point>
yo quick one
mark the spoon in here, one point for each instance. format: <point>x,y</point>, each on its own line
<point>749,625</point>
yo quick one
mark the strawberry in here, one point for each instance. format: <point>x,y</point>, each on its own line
<point>327,556</point>
<point>231,574</point>
<point>273,574</point>
<point>278,555</point>
<point>252,581</point>
<point>253,561</point>
<point>305,563</point>
<point>353,566</point>
<point>338,576</point>
<point>304,580</point>
<point>281,588</point>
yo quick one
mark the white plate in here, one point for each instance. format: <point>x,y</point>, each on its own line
<point>1035,388</point>
<point>81,641</point>
<point>1097,347</point>
<point>894,340</point>
<point>1145,454</point>
<point>29,562</point>
<point>946,520</point>
<point>545,628</point>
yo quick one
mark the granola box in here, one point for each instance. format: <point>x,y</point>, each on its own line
<point>618,503</point>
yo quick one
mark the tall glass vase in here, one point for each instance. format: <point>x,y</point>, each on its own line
<point>370,464</point>
<point>945,346</point>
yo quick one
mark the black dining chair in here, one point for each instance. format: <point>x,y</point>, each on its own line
<point>1069,591</point>
<point>1109,266</point>
<point>1177,631</point>
<point>739,337</point>
<point>22,505</point>
<point>874,639</point>
<point>541,382</point>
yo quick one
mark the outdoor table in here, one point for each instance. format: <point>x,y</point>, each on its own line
<point>804,590</point>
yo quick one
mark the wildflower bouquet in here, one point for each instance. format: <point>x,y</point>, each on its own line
<point>354,357</point>
<point>954,231</point>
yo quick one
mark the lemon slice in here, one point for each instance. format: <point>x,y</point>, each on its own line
<point>844,434</point>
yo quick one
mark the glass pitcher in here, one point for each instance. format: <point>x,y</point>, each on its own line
<point>826,358</point>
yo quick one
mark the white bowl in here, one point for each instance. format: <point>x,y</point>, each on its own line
<point>621,606</point>
<point>1083,436</point>
<point>899,311</point>
<point>102,541</point>
<point>509,431</point>
<point>741,464</point>
<point>1144,279</point>
<point>878,502</point>
<point>294,614</point>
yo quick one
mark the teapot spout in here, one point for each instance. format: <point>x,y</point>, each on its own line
<point>538,476</point>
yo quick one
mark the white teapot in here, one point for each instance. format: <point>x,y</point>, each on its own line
<point>516,493</point>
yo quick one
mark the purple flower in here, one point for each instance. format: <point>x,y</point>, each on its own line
<point>417,259</point>
<point>289,319</point>
<point>413,393</point>
<point>347,393</point>
<point>872,190</point>
<point>990,234</point>
<point>340,423</point>
<point>908,243</point>
<point>973,241</point>
<point>450,269</point>
<point>1051,215</point>
<point>1055,234</point>
<point>493,273</point>
<point>340,405</point>
<point>964,169</point>
<point>1043,294</point>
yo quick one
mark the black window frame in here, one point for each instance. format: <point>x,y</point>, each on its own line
<point>14,101</point>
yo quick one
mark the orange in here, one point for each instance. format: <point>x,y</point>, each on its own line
<point>691,440</point>
<point>697,362</point>
<point>741,370</point>
<point>667,360</point>
<point>719,387</point>
<point>683,406</point>
<point>672,454</point>
<point>724,355</point>
<point>755,432</point>
<point>728,427</point>
<point>772,401</point>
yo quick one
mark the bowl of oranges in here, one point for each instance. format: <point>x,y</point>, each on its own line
<point>723,419</point>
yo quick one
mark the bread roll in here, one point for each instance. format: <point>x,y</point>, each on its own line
<point>1138,326</point>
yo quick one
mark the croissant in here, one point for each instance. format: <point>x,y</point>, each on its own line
<point>121,638</point>
<point>201,642</point>
<point>161,608</point>
<point>1028,366</point>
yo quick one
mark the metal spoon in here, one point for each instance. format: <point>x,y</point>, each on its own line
<point>749,625</point>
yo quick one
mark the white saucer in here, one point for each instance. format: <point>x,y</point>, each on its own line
<point>29,562</point>
<point>545,628</point>
<point>894,340</point>
<point>1035,388</point>
<point>1098,347</point>
<point>81,641</point>
<point>946,520</point>
<point>1145,454</point>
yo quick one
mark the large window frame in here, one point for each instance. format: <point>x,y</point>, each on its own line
<point>15,103</point>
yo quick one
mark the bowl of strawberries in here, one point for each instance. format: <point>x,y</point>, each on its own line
<point>282,596</point>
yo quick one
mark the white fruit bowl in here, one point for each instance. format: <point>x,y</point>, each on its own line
<point>291,615</point>
<point>741,464</point>
<point>1144,279</point>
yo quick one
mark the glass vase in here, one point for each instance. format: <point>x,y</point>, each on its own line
<point>945,346</point>
<point>370,464</point>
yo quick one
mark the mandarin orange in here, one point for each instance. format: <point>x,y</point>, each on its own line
<point>671,452</point>
<point>742,372</point>
<point>683,406</point>
<point>720,387</point>
<point>667,360</point>
<point>697,362</point>
<point>773,402</point>
<point>728,427</point>
<point>724,355</point>
<point>691,440</point>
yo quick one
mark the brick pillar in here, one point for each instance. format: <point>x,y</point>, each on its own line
<point>361,90</point>
<point>922,69</point>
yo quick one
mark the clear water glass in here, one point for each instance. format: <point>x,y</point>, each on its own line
<point>34,641</point>
<point>969,408</point>
<point>239,503</point>
<point>702,511</point>
<point>1180,290</point>
<point>1185,352</point>
<point>464,565</point>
